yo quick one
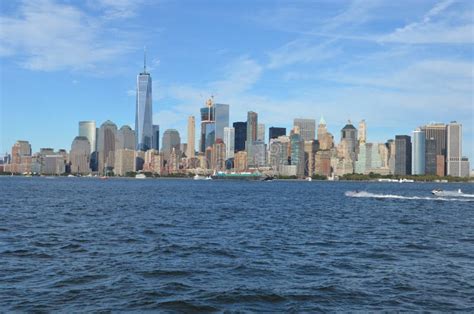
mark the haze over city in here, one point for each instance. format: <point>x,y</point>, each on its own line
<point>397,66</point>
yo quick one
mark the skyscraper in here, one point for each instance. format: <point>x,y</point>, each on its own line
<point>80,155</point>
<point>402,155</point>
<point>297,153</point>
<point>362,132</point>
<point>190,152</point>
<point>430,156</point>
<point>171,140</point>
<point>418,152</point>
<point>144,111</point>
<point>106,145</point>
<point>261,132</point>
<point>221,116</point>
<point>125,138</point>
<point>88,129</point>
<point>454,149</point>
<point>307,128</point>
<point>240,135</point>
<point>275,132</point>
<point>208,126</point>
<point>156,137</point>
<point>229,141</point>
<point>252,127</point>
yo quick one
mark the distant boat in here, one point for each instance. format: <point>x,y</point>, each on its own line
<point>309,179</point>
<point>71,176</point>
<point>140,176</point>
<point>198,177</point>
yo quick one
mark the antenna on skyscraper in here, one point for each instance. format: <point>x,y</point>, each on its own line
<point>144,59</point>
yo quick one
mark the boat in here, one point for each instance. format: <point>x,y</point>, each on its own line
<point>198,177</point>
<point>71,176</point>
<point>309,179</point>
<point>268,178</point>
<point>238,176</point>
<point>439,192</point>
<point>140,176</point>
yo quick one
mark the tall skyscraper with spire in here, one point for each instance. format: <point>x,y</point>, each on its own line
<point>144,110</point>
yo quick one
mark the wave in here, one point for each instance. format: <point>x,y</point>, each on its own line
<point>365,194</point>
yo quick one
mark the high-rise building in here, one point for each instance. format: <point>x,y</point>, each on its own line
<point>156,137</point>
<point>437,131</point>
<point>322,128</point>
<point>88,129</point>
<point>218,155</point>
<point>240,135</point>
<point>307,128</point>
<point>259,154</point>
<point>229,140</point>
<point>124,161</point>
<point>240,161</point>
<point>348,145</point>
<point>190,152</point>
<point>144,111</point>
<point>208,126</point>
<point>454,149</point>
<point>369,159</point>
<point>80,155</point>
<point>430,156</point>
<point>252,127</point>
<point>221,115</point>
<point>279,152</point>
<point>275,132</point>
<point>418,152</point>
<point>310,149</point>
<point>323,163</point>
<point>362,132</point>
<point>297,153</point>
<point>261,132</point>
<point>402,155</point>
<point>106,146</point>
<point>125,138</point>
<point>171,140</point>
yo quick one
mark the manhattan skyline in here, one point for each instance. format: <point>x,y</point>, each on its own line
<point>410,68</point>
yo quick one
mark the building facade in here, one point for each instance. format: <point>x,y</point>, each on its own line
<point>418,152</point>
<point>144,111</point>
<point>307,128</point>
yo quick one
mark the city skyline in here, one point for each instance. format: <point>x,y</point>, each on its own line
<point>275,79</point>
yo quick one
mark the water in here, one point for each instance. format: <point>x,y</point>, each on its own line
<point>77,244</point>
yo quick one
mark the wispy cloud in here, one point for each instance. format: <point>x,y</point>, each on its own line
<point>49,36</point>
<point>435,28</point>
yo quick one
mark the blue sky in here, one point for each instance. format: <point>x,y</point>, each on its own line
<point>397,64</point>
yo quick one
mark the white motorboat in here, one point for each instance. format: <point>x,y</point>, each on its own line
<point>140,176</point>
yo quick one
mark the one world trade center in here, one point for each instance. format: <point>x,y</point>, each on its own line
<point>144,112</point>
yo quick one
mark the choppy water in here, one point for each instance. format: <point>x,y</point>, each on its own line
<point>76,244</point>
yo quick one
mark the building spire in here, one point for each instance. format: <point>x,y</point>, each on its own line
<point>144,59</point>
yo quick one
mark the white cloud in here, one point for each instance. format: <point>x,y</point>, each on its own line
<point>435,27</point>
<point>48,36</point>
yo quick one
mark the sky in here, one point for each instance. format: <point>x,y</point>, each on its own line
<point>396,64</point>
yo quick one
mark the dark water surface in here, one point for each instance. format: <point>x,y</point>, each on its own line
<point>77,244</point>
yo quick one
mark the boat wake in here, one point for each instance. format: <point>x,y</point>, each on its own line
<point>365,194</point>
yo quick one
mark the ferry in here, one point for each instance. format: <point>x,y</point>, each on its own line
<point>238,176</point>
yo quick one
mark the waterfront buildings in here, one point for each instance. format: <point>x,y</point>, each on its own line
<point>125,138</point>
<point>362,132</point>
<point>221,114</point>
<point>229,141</point>
<point>297,153</point>
<point>88,129</point>
<point>252,126</point>
<point>430,156</point>
<point>418,152</point>
<point>124,161</point>
<point>190,151</point>
<point>402,155</point>
<point>144,111</point>
<point>307,128</point>
<point>171,141</point>
<point>240,135</point>
<point>274,132</point>
<point>156,137</point>
<point>80,154</point>
<point>456,164</point>
<point>106,146</point>
<point>261,132</point>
